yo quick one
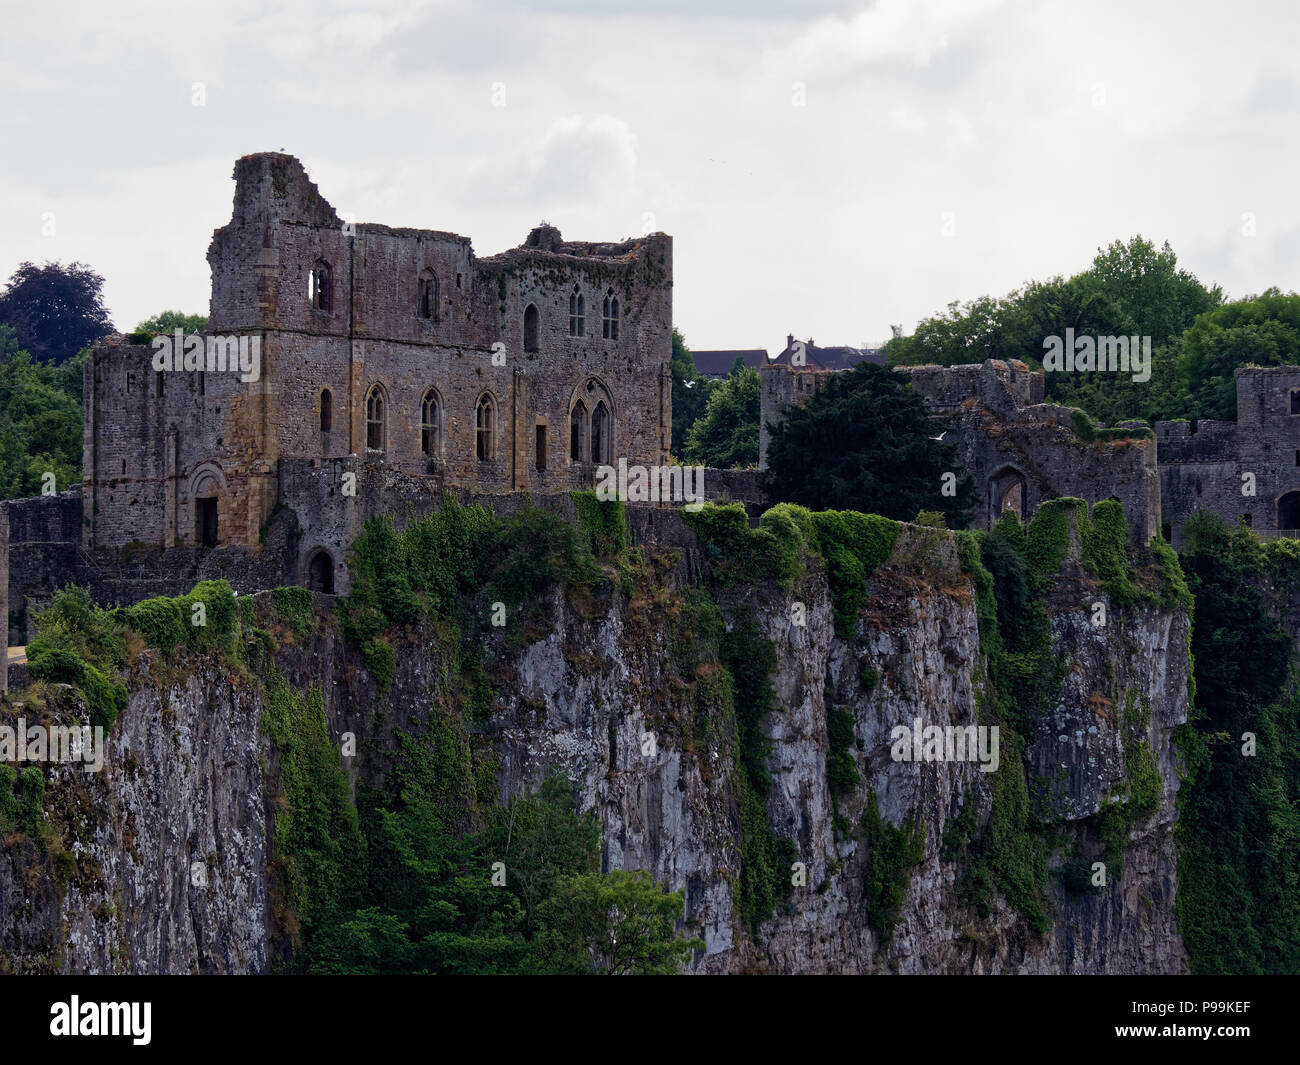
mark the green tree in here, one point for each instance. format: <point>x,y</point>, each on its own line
<point>40,421</point>
<point>55,310</point>
<point>1130,289</point>
<point>866,442</point>
<point>169,322</point>
<point>727,435</point>
<point>1257,331</point>
<point>690,392</point>
<point>614,924</point>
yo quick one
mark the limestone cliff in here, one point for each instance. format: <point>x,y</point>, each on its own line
<point>161,862</point>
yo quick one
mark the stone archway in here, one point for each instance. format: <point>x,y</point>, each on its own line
<point>1008,489</point>
<point>320,572</point>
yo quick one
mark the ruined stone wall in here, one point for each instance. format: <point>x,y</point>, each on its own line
<point>150,452</point>
<point>43,537</point>
<point>1010,441</point>
<point>1247,469</point>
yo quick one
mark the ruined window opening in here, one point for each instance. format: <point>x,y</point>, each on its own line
<point>577,431</point>
<point>428,301</point>
<point>158,376</point>
<point>577,313</point>
<point>1295,401</point>
<point>485,424</point>
<point>600,434</point>
<point>541,447</point>
<point>124,467</point>
<point>205,521</point>
<point>1249,519</point>
<point>429,410</point>
<point>375,415</point>
<point>326,410</point>
<point>320,573</point>
<point>203,387</point>
<point>130,381</point>
<point>458,280</point>
<point>1288,511</point>
<point>609,320</point>
<point>1297,458</point>
<point>321,288</point>
<point>532,322</point>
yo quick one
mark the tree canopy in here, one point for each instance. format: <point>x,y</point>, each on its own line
<point>865,442</point>
<point>727,434</point>
<point>55,310</point>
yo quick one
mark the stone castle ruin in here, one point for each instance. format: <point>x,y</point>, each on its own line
<point>349,371</point>
<point>1019,450</point>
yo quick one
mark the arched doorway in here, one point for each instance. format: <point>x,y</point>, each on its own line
<point>320,573</point>
<point>1288,510</point>
<point>1008,490</point>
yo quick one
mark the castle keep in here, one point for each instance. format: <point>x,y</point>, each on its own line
<point>381,353</point>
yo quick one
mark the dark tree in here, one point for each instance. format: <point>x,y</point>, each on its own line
<point>55,310</point>
<point>865,442</point>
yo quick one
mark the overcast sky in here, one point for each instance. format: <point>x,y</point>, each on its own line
<point>825,168</point>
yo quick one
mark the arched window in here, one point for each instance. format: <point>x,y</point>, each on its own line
<point>321,289</point>
<point>376,419</point>
<point>485,420</point>
<point>532,321</point>
<point>600,441</point>
<point>428,296</point>
<point>577,431</point>
<point>326,410</point>
<point>609,320</point>
<point>430,408</point>
<point>577,313</point>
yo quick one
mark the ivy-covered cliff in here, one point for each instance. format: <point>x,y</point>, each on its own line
<point>447,770</point>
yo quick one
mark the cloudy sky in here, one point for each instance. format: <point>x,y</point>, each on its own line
<point>826,168</point>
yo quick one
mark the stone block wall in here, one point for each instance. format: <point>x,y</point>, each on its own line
<point>1019,450</point>
<point>495,329</point>
<point>1244,470</point>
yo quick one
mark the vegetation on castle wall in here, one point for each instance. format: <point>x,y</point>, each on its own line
<point>605,523</point>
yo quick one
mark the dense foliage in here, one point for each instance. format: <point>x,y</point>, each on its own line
<point>40,421</point>
<point>726,435</point>
<point>1239,807</point>
<point>55,310</point>
<point>865,442</point>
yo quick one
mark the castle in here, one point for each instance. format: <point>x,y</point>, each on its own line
<point>349,371</point>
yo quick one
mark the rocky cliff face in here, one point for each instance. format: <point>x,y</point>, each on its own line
<point>168,848</point>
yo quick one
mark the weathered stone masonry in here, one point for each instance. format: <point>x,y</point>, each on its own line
<point>1244,470</point>
<point>1019,450</point>
<point>393,350</point>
